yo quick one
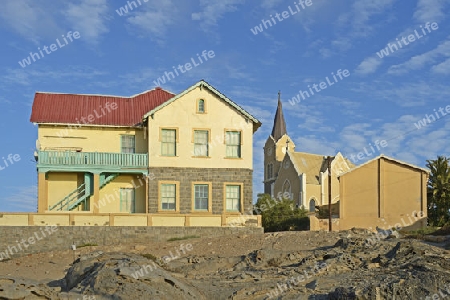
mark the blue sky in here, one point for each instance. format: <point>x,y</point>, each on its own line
<point>381,99</point>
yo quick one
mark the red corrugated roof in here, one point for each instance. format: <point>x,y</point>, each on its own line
<point>71,108</point>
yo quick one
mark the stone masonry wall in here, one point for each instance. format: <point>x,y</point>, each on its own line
<point>16,241</point>
<point>187,175</point>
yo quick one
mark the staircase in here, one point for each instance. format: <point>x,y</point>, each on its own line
<point>82,193</point>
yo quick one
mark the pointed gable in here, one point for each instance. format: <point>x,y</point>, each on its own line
<point>279,124</point>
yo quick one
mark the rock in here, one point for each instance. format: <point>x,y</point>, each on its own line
<point>140,248</point>
<point>14,288</point>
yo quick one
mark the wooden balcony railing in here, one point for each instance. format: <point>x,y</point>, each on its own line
<point>94,159</point>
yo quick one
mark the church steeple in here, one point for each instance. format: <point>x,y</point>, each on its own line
<point>279,125</point>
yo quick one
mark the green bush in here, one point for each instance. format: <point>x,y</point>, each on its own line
<point>281,214</point>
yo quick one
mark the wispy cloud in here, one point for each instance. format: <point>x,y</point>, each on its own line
<point>213,11</point>
<point>29,19</point>
<point>22,199</point>
<point>28,77</point>
<point>155,18</point>
<point>363,12</point>
<point>89,17</point>
<point>406,94</point>
<point>430,11</point>
<point>368,66</point>
<point>420,61</point>
<point>442,68</point>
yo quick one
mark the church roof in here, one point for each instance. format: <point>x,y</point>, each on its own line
<point>279,124</point>
<point>309,164</point>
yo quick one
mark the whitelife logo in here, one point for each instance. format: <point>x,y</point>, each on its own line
<point>319,87</point>
<point>430,118</point>
<point>89,119</point>
<point>11,158</point>
<point>27,61</point>
<point>280,17</point>
<point>187,67</point>
<point>391,48</point>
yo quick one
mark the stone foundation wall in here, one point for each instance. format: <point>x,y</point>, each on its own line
<point>188,175</point>
<point>18,241</point>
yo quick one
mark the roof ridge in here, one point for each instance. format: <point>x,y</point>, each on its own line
<point>104,95</point>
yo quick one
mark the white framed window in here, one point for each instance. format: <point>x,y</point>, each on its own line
<point>201,106</point>
<point>201,138</point>
<point>201,197</point>
<point>168,142</point>
<point>233,144</point>
<point>233,198</point>
<point>128,144</point>
<point>168,196</point>
<point>127,200</point>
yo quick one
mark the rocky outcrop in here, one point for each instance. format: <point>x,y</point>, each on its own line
<point>349,268</point>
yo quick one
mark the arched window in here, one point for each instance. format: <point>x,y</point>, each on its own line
<point>287,188</point>
<point>201,106</point>
<point>312,205</point>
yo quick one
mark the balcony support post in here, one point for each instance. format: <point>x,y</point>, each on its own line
<point>96,195</point>
<point>42,192</point>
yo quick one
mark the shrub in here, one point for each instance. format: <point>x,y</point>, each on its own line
<point>281,215</point>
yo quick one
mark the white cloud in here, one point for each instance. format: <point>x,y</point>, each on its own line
<point>363,11</point>
<point>442,68</point>
<point>155,18</point>
<point>368,65</point>
<point>213,12</point>
<point>28,77</point>
<point>430,10</point>
<point>269,4</point>
<point>420,61</point>
<point>89,17</point>
<point>406,94</point>
<point>23,199</point>
<point>29,19</point>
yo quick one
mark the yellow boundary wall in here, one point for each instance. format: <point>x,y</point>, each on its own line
<point>118,219</point>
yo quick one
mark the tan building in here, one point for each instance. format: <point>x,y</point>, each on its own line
<point>154,152</point>
<point>382,192</point>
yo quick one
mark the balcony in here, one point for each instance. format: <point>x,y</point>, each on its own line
<point>90,161</point>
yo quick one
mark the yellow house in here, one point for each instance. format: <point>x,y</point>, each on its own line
<point>154,152</point>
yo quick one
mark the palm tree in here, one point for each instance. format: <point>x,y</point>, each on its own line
<point>439,191</point>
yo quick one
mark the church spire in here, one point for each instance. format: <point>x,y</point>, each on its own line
<point>279,125</point>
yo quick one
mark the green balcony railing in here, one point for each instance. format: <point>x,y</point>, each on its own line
<point>98,159</point>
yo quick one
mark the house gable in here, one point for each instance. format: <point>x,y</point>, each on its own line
<point>219,117</point>
<point>204,85</point>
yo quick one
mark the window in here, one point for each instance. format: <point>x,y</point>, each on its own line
<point>168,142</point>
<point>201,106</point>
<point>201,196</point>
<point>233,198</point>
<point>127,200</point>
<point>233,142</point>
<point>201,142</point>
<point>287,189</point>
<point>168,196</point>
<point>312,205</point>
<point>269,171</point>
<point>128,144</point>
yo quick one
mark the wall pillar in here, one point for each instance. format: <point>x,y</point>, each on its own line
<point>381,181</point>
<point>423,190</point>
<point>146,195</point>
<point>42,192</point>
<point>96,194</point>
